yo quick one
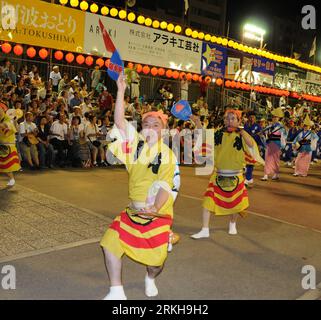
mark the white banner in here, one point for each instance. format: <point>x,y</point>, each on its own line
<point>143,45</point>
<point>233,65</point>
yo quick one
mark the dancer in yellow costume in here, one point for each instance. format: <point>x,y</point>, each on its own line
<point>142,230</point>
<point>9,159</point>
<point>226,193</point>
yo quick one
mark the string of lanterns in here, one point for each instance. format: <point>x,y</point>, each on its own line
<point>131,17</point>
<point>154,71</point>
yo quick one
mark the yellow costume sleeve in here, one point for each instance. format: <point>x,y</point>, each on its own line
<point>253,151</point>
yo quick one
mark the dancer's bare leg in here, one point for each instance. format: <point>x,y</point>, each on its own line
<point>114,268</point>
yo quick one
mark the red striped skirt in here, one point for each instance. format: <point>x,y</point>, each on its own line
<point>226,195</point>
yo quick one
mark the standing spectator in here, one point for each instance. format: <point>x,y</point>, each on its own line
<point>86,106</point>
<point>80,79</point>
<point>63,82</point>
<point>55,77</point>
<point>184,88</point>
<point>36,81</point>
<point>11,74</point>
<point>34,69</point>
<point>95,77</point>
<point>83,91</point>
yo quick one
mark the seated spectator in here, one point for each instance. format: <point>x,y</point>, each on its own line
<point>36,81</point>
<point>11,74</point>
<point>34,69</point>
<point>28,141</point>
<point>58,134</point>
<point>92,134</point>
<point>75,101</point>
<point>75,135</point>
<point>86,106</point>
<point>46,150</point>
<point>105,102</point>
<point>76,113</point>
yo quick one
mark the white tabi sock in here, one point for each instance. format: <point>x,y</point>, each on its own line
<point>204,233</point>
<point>150,287</point>
<point>232,228</point>
<point>116,293</point>
<point>11,183</point>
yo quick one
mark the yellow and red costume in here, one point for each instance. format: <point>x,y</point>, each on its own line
<point>143,240</point>
<point>226,193</point>
<point>9,158</point>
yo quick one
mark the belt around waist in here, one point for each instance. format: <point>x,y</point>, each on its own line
<point>229,173</point>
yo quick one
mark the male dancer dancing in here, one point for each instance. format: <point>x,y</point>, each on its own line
<point>226,193</point>
<point>142,230</point>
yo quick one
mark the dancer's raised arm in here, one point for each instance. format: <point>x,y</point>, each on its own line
<point>119,116</point>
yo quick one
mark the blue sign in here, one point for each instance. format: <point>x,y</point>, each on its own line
<point>116,66</point>
<point>213,60</point>
<point>263,65</point>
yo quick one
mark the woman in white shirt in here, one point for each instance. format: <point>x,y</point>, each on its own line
<point>92,134</point>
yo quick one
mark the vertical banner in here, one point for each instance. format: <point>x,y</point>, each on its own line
<point>213,60</point>
<point>233,65</point>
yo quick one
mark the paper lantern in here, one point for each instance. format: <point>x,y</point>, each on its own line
<point>243,85</point>
<point>213,39</point>
<point>80,59</point>
<point>233,84</point>
<point>63,2</point>
<point>194,34</point>
<point>182,75</point>
<point>146,69</point>
<point>227,83</point>
<point>219,40</point>
<point>100,62</point>
<point>18,50</point>
<point>59,55</point>
<point>113,12</point>
<point>148,22</point>
<point>107,62</point>
<point>201,35</point>
<point>163,25</point>
<point>141,19</point>
<point>154,71</point>
<point>156,24</point>
<point>195,77</point>
<point>178,29</point>
<point>70,57</point>
<point>130,65</point>
<point>6,47</point>
<point>139,68</point>
<point>104,11</point>
<point>207,37</point>
<point>131,17</point>
<point>170,27</point>
<point>94,8</point>
<point>31,52</point>
<point>219,82</point>
<point>188,32</point>
<point>169,73</point>
<point>74,3</point>
<point>161,72</point>
<point>43,53</point>
<point>122,14</point>
<point>175,74</point>
<point>84,5</point>
<point>208,79</point>
<point>200,78</point>
<point>189,76</point>
<point>89,60</point>
<point>224,42</point>
<point>238,85</point>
